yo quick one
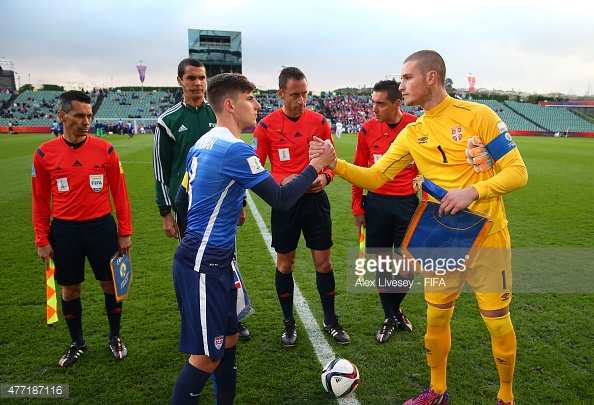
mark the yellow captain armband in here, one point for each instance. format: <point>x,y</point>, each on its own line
<point>185,181</point>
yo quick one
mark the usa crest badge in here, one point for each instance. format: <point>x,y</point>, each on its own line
<point>218,342</point>
<point>457,133</point>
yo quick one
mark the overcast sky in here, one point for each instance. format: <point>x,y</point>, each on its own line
<point>525,45</point>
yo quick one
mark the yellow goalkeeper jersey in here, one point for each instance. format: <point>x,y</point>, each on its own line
<point>436,142</point>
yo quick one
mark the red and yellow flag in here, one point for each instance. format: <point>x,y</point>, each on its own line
<point>50,287</point>
<point>362,234</point>
<point>361,241</point>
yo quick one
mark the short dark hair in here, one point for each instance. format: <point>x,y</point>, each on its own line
<point>391,89</point>
<point>181,68</point>
<point>65,99</point>
<point>429,60</point>
<point>289,73</point>
<point>224,86</point>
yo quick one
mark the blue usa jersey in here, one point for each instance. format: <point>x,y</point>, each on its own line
<point>220,168</point>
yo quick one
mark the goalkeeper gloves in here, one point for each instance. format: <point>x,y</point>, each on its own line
<point>477,155</point>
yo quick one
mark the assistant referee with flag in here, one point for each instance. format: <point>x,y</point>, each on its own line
<point>72,178</point>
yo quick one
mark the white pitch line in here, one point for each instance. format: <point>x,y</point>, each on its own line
<point>318,341</point>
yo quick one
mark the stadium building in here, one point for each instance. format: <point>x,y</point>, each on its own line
<point>220,51</point>
<point>7,75</point>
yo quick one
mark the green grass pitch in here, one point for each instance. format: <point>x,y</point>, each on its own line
<point>554,330</point>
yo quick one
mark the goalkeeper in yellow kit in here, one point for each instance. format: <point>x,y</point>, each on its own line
<point>438,142</point>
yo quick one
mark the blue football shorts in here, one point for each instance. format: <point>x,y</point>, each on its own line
<point>207,303</point>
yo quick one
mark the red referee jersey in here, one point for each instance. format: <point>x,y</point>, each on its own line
<point>374,140</point>
<point>74,184</point>
<point>286,143</point>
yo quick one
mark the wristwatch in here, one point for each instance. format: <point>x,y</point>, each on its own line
<point>164,211</point>
<point>328,178</point>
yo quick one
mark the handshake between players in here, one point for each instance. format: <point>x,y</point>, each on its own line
<point>319,147</point>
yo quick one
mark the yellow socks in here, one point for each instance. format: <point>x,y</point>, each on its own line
<point>438,341</point>
<point>503,342</point>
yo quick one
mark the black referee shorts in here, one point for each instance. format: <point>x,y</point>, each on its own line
<point>387,218</point>
<point>310,214</point>
<point>72,241</point>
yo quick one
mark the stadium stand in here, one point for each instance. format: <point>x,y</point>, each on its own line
<point>33,109</point>
<point>268,101</point>
<point>351,110</point>
<point>4,96</point>
<point>38,109</point>
<point>510,117</point>
<point>551,118</point>
<point>418,110</point>
<point>128,105</point>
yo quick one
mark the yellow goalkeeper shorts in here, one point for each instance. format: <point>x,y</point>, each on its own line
<point>488,274</point>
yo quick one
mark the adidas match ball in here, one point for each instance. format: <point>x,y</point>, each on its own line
<point>340,377</point>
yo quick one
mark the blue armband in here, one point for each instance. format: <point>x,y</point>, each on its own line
<point>501,145</point>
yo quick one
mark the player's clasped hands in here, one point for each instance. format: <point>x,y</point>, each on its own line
<point>323,151</point>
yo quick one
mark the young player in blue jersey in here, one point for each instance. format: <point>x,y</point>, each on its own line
<point>177,131</point>
<point>220,168</point>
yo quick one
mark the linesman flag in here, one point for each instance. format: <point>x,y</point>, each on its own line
<point>50,288</point>
<point>362,235</point>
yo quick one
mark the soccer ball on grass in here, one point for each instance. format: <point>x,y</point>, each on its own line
<point>340,377</point>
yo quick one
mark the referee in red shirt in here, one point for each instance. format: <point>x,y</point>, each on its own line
<point>72,179</point>
<point>283,136</point>
<point>388,210</point>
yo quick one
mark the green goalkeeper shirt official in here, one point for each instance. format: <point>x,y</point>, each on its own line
<point>177,131</point>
